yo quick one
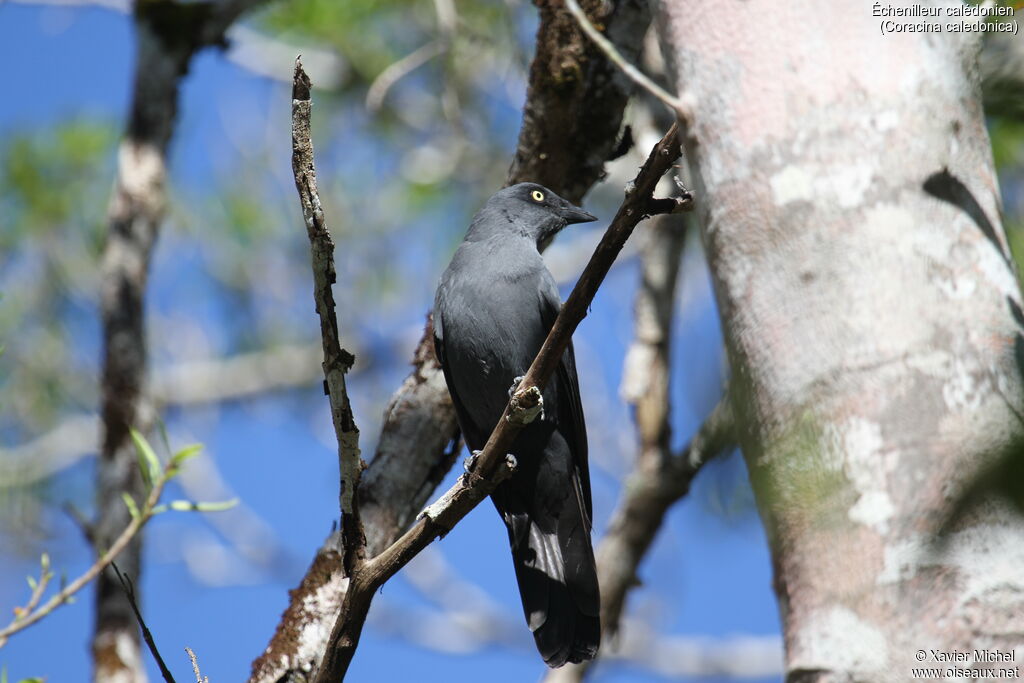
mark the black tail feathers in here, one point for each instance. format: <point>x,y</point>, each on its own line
<point>558,584</point>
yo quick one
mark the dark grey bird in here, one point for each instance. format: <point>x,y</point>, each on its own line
<point>494,307</point>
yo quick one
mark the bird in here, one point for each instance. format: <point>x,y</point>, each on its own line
<point>494,306</point>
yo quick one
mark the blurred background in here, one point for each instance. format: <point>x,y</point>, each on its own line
<point>415,122</point>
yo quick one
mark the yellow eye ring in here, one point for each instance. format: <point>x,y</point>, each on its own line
<point>537,195</point>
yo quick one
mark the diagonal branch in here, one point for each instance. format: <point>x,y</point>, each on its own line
<point>147,635</point>
<point>614,56</point>
<point>493,465</point>
<point>106,557</point>
<point>337,361</point>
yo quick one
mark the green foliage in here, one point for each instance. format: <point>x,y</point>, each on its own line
<point>49,180</point>
<point>54,183</point>
<point>153,474</point>
<point>133,507</point>
<point>1007,142</point>
<point>361,31</point>
<point>149,464</point>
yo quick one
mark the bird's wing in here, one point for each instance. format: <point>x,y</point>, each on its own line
<point>439,351</point>
<point>570,409</point>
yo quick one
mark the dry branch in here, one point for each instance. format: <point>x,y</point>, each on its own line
<point>200,678</point>
<point>63,596</point>
<point>615,57</point>
<point>493,465</point>
<point>337,361</point>
<point>147,635</point>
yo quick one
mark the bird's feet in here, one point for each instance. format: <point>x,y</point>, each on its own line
<point>515,385</point>
<point>469,464</point>
<point>527,408</point>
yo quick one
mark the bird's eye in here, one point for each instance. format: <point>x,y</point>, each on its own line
<point>537,195</point>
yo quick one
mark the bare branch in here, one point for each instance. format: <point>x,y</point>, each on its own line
<point>195,666</point>
<point>493,465</point>
<point>120,543</point>
<point>129,592</point>
<point>337,361</point>
<point>613,55</point>
<point>575,97</point>
<point>395,72</point>
<point>649,494</point>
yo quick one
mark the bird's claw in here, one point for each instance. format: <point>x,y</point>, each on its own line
<point>469,464</point>
<point>526,406</point>
<point>515,385</point>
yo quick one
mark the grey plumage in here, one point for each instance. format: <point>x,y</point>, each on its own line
<point>494,307</point>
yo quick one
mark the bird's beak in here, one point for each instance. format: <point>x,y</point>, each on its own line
<point>573,214</point>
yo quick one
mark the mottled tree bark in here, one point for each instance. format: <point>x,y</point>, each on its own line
<point>167,35</point>
<point>569,80</point>
<point>850,212</point>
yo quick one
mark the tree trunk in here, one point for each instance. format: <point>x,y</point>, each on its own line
<point>167,37</point>
<point>850,211</point>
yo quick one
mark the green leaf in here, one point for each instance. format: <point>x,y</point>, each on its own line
<point>133,509</point>
<point>186,453</point>
<point>148,462</point>
<point>217,506</point>
<point>188,505</point>
<point>32,583</point>
<point>163,434</point>
<point>44,562</point>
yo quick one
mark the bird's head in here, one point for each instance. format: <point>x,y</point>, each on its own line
<point>531,210</point>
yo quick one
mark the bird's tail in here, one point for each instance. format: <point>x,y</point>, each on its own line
<point>558,584</point>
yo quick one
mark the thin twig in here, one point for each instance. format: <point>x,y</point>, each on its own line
<point>493,465</point>
<point>38,590</point>
<point>337,360</point>
<point>382,84</point>
<point>129,592</point>
<point>61,597</point>
<point>616,58</point>
<point>195,667</point>
<point>648,496</point>
<point>395,72</point>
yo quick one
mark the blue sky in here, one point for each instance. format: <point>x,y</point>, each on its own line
<point>708,575</point>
